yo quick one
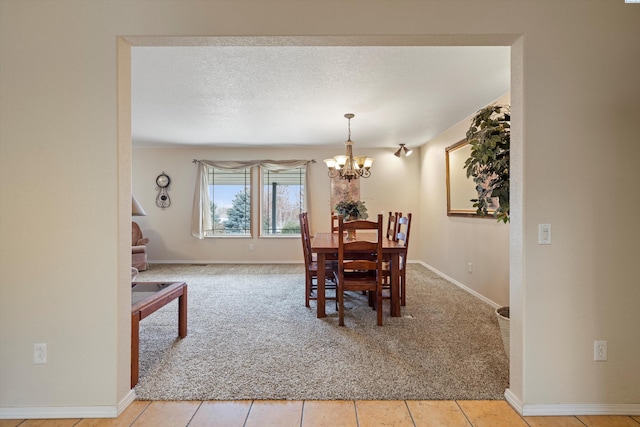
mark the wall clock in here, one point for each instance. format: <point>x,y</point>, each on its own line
<point>163,200</point>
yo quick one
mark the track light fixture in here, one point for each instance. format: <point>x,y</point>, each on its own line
<point>407,151</point>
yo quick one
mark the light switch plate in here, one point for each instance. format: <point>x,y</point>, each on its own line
<point>544,234</point>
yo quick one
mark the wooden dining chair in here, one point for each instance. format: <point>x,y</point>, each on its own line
<point>357,269</point>
<point>392,231</point>
<point>334,223</point>
<point>402,236</point>
<point>311,266</point>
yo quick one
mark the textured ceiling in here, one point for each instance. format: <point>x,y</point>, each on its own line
<point>298,95</point>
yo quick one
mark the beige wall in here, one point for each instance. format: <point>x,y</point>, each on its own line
<point>169,230</point>
<point>63,178</point>
<point>449,243</point>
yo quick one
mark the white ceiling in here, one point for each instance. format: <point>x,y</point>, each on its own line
<point>298,95</point>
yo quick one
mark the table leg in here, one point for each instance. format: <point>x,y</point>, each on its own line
<point>395,285</point>
<point>182,313</point>
<point>321,285</point>
<point>135,347</point>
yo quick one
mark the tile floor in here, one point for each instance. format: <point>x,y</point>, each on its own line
<point>312,413</point>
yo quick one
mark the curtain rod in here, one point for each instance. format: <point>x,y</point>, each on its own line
<point>196,161</point>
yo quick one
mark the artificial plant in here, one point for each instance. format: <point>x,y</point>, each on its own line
<point>490,138</point>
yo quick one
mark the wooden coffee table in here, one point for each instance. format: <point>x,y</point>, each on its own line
<point>146,298</point>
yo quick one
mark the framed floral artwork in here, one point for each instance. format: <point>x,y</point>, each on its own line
<point>342,190</point>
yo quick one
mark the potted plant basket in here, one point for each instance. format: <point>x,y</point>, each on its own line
<point>502,313</point>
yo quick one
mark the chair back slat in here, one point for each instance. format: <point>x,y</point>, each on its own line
<point>392,225</point>
<point>360,224</point>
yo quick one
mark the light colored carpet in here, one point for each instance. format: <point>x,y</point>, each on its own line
<point>251,337</point>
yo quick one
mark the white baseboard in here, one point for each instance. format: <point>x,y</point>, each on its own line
<point>513,401</point>
<point>630,409</point>
<point>460,285</point>
<point>55,412</point>
<point>570,409</point>
<point>201,262</point>
<point>126,401</point>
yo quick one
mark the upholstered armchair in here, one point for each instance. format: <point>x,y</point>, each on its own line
<point>138,248</point>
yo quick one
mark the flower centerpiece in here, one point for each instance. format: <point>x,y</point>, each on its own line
<point>352,209</point>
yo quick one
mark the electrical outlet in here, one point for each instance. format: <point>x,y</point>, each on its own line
<point>39,354</point>
<point>470,267</point>
<point>599,351</point>
<point>250,246</point>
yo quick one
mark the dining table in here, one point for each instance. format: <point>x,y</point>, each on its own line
<point>325,246</point>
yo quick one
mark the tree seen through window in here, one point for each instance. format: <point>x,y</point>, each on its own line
<point>283,194</point>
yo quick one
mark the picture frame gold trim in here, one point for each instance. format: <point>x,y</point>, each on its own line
<point>460,189</point>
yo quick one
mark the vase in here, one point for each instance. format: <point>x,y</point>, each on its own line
<point>351,234</point>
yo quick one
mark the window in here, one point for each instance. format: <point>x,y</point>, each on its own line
<point>282,201</point>
<point>230,201</point>
<point>222,197</point>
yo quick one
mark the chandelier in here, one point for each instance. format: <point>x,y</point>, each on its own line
<point>349,167</point>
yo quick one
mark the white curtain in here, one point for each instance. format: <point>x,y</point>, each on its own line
<point>201,216</point>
